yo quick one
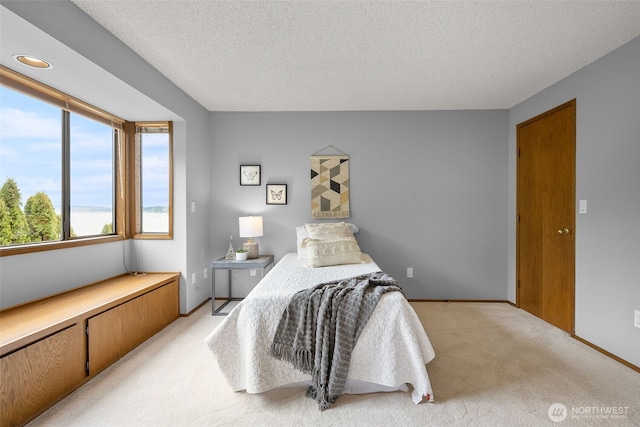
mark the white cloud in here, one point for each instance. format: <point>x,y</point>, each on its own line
<point>91,165</point>
<point>15,123</point>
<point>152,140</point>
<point>91,139</point>
<point>154,162</point>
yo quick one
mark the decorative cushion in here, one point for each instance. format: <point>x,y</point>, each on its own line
<point>321,253</point>
<point>328,243</point>
<point>301,234</point>
<point>328,231</point>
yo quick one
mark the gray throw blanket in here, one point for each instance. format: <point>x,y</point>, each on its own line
<point>320,328</point>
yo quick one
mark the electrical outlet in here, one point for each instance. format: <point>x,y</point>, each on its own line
<point>636,319</point>
<point>252,272</point>
<point>206,271</point>
<point>409,272</point>
<point>193,278</point>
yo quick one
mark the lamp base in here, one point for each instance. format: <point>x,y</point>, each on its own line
<point>251,248</point>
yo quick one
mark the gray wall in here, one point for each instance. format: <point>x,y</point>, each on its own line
<point>607,96</point>
<point>428,190</point>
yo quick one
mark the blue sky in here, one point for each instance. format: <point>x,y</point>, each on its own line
<point>30,153</point>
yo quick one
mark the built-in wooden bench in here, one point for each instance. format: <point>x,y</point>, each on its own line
<point>51,346</point>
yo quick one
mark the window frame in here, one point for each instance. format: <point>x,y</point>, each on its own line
<point>134,180</point>
<point>124,168</point>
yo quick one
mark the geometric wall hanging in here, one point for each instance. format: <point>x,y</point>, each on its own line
<point>330,185</point>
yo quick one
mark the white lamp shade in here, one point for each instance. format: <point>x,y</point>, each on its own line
<point>250,226</point>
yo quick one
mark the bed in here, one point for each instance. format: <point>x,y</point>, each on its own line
<point>391,353</point>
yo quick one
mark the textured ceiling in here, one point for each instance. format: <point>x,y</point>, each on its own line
<point>366,55</point>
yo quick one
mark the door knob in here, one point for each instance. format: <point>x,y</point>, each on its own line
<point>563,231</point>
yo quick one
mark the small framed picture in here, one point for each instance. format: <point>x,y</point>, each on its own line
<point>249,174</point>
<point>276,194</point>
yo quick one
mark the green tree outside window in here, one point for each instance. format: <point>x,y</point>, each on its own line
<point>42,218</point>
<point>12,216</point>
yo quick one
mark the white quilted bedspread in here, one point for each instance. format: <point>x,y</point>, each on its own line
<point>391,351</point>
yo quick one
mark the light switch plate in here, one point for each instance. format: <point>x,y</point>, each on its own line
<point>583,207</point>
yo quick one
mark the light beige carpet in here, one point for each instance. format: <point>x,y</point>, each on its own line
<point>495,365</point>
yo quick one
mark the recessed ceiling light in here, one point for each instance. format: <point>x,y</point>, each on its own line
<point>32,61</point>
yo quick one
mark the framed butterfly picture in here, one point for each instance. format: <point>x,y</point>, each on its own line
<point>249,174</point>
<point>276,194</point>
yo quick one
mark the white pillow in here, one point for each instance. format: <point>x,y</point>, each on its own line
<point>354,228</point>
<point>328,230</point>
<point>342,250</point>
<point>302,233</point>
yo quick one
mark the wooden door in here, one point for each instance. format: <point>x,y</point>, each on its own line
<point>546,216</point>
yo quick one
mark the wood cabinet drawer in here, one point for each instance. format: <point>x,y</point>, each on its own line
<point>40,374</point>
<point>116,332</point>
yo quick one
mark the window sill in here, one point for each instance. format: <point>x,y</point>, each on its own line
<point>50,246</point>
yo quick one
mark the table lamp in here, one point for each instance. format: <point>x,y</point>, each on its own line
<point>250,227</point>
